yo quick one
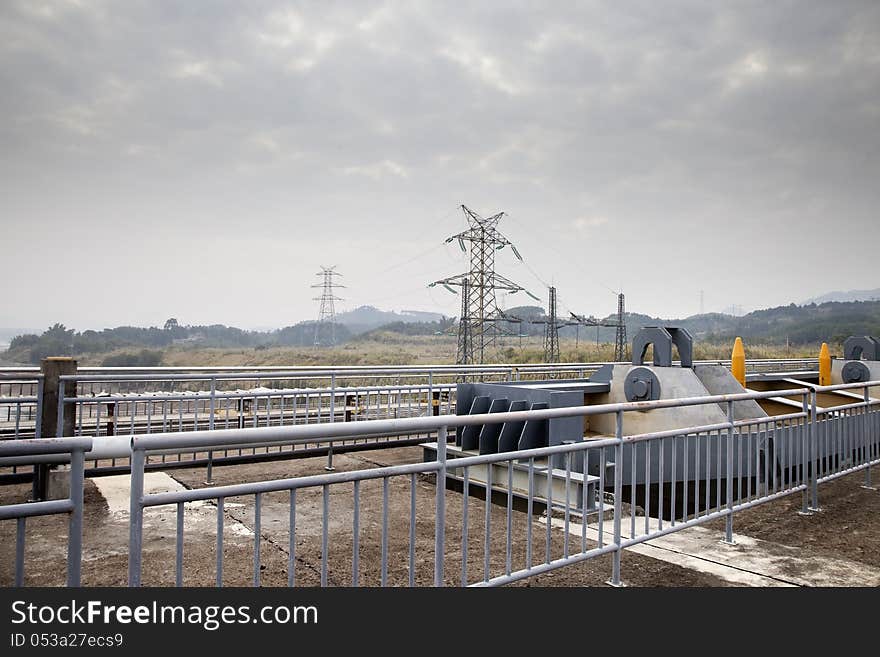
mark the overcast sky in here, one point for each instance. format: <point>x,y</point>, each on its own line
<point>202,160</point>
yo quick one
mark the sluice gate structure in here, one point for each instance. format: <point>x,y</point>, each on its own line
<point>615,454</point>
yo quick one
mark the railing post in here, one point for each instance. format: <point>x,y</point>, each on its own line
<point>618,500</point>
<point>866,424</point>
<point>75,525</point>
<point>136,516</point>
<point>38,419</point>
<point>209,469</point>
<point>805,457</point>
<point>329,466</point>
<point>333,397</point>
<point>728,525</point>
<point>814,450</point>
<point>440,509</point>
<point>213,403</point>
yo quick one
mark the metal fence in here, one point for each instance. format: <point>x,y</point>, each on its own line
<point>176,399</point>
<point>726,468</point>
<point>20,402</point>
<point>73,505</point>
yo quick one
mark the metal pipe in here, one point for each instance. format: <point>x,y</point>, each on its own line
<point>136,518</point>
<point>618,498</point>
<point>31,509</point>
<point>440,507</point>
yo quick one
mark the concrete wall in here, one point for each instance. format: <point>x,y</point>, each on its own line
<point>718,380</point>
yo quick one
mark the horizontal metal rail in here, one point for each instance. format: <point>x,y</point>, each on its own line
<point>73,505</point>
<point>21,399</point>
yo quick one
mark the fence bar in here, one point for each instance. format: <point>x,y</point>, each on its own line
<point>258,508</point>
<point>220,513</point>
<point>136,518</point>
<point>178,577</point>
<point>291,540</point>
<point>814,450</point>
<point>618,498</point>
<point>728,524</point>
<point>440,506</point>
<point>20,527</point>
<point>325,518</point>
<point>75,525</point>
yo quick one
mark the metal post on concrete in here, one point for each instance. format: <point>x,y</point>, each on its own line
<point>728,524</point>
<point>440,509</point>
<point>333,398</point>
<point>805,458</point>
<point>75,525</point>
<point>209,470</point>
<point>38,420</point>
<point>867,434</point>
<point>55,419</point>
<point>329,467</point>
<point>213,403</point>
<point>136,517</point>
<point>618,500</point>
<point>814,450</point>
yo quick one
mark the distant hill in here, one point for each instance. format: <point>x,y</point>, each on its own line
<point>366,318</point>
<point>807,324</point>
<point>849,295</point>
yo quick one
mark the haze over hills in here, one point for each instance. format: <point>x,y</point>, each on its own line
<point>366,318</point>
<point>849,295</point>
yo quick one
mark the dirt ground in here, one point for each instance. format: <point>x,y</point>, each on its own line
<point>847,526</point>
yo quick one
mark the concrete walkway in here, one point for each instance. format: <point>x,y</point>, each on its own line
<point>749,562</point>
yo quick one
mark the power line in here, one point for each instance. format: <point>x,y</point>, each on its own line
<point>589,275</point>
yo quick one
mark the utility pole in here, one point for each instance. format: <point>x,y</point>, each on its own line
<point>327,314</point>
<point>620,342</point>
<point>478,328</point>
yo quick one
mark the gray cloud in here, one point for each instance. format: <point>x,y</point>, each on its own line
<point>202,160</point>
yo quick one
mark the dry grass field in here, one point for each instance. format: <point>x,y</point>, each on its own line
<point>395,349</point>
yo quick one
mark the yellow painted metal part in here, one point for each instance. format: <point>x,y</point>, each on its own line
<point>824,365</point>
<point>738,362</point>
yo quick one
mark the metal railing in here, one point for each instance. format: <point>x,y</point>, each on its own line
<point>21,399</point>
<point>168,399</point>
<point>752,365</point>
<point>726,467</point>
<point>73,505</point>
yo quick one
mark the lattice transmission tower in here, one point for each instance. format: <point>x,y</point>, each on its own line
<point>479,325</point>
<point>551,329</point>
<point>327,314</point>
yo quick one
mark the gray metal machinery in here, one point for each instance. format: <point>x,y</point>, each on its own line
<point>860,362</point>
<point>616,383</point>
